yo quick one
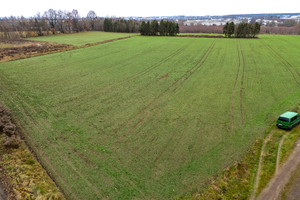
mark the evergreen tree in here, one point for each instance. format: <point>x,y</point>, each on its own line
<point>225,29</point>
<point>142,28</point>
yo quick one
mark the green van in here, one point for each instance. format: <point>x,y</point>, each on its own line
<point>288,120</point>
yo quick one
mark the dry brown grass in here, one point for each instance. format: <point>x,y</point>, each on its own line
<point>23,176</point>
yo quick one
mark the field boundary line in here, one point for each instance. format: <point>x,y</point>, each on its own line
<point>69,48</point>
<point>105,41</point>
<point>33,146</point>
<point>49,141</point>
<point>68,145</point>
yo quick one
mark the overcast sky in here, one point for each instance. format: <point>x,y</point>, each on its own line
<point>123,8</point>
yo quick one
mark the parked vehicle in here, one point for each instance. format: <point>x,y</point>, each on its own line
<point>288,120</point>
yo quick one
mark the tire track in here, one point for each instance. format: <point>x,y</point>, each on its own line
<point>242,84</point>
<point>278,153</point>
<point>286,64</point>
<point>131,78</point>
<point>285,60</point>
<point>143,72</point>
<point>257,177</point>
<point>155,103</point>
<point>234,88</point>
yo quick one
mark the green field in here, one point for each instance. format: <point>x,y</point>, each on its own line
<point>78,39</point>
<point>149,117</point>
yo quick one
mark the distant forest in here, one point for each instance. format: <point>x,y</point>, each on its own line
<point>58,21</point>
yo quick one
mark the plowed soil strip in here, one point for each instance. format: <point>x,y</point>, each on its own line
<point>43,48</point>
<point>234,88</point>
<point>105,41</point>
<point>140,116</point>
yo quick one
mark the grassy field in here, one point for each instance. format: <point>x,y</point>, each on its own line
<point>78,39</point>
<point>150,117</point>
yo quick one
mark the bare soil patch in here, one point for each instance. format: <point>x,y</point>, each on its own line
<point>17,49</point>
<point>164,76</point>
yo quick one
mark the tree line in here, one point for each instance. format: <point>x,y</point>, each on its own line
<point>242,30</point>
<point>162,28</point>
<point>121,25</point>
<point>58,21</point>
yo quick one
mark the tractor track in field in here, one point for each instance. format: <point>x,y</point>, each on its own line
<point>50,142</point>
<point>242,85</point>
<point>286,64</point>
<point>137,75</point>
<point>155,103</point>
<point>241,59</point>
<point>233,90</point>
<point>76,152</point>
<point>285,60</point>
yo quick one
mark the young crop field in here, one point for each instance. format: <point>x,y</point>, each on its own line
<point>149,117</point>
<point>78,39</point>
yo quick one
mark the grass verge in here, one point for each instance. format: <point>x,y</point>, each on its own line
<point>21,173</point>
<point>237,181</point>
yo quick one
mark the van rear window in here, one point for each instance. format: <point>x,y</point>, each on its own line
<point>283,119</point>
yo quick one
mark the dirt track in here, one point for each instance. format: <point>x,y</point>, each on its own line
<point>294,192</point>
<point>273,189</point>
<point>2,193</point>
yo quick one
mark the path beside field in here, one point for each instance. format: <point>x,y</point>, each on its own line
<point>275,186</point>
<point>295,191</point>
